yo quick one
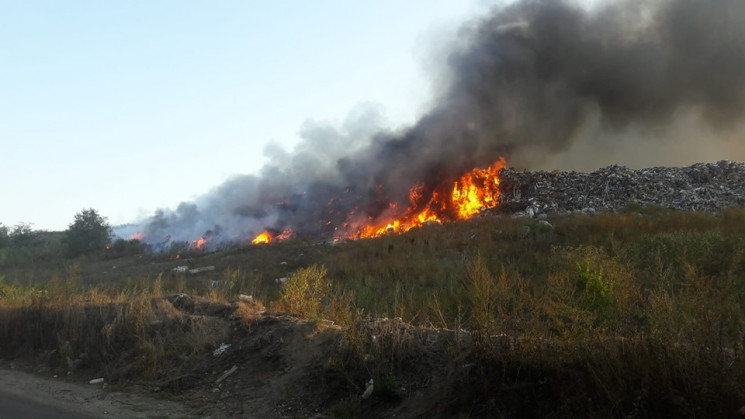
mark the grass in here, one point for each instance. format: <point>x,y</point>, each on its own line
<point>639,314</point>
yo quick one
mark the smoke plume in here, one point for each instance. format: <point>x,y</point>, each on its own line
<point>542,83</point>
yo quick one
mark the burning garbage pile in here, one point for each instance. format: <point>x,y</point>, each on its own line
<point>529,82</point>
<point>699,187</point>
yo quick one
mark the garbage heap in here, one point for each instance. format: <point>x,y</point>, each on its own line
<point>699,187</point>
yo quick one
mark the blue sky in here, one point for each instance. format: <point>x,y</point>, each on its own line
<point>127,107</point>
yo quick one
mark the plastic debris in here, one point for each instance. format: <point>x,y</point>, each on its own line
<point>221,349</point>
<point>202,269</point>
<point>368,390</point>
<point>96,381</point>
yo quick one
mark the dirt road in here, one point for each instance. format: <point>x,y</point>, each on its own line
<point>23,395</point>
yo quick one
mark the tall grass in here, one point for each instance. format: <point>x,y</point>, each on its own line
<point>613,315</point>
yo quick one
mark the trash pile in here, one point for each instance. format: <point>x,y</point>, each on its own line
<point>699,187</point>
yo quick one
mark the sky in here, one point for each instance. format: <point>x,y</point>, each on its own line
<point>127,107</point>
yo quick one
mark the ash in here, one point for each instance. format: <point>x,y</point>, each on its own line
<point>699,187</point>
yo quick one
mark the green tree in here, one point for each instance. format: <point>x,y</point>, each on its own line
<point>22,235</point>
<point>4,236</point>
<point>89,232</point>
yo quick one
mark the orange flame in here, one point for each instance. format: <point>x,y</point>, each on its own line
<point>198,243</point>
<point>472,192</point>
<point>264,237</point>
<point>136,236</point>
<point>286,234</point>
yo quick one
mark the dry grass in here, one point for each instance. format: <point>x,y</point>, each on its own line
<point>616,315</point>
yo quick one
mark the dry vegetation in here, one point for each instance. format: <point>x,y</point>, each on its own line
<point>638,314</point>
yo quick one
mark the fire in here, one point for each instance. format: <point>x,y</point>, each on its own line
<point>467,196</point>
<point>198,243</point>
<point>267,237</point>
<point>137,236</point>
<point>264,237</point>
<point>286,234</point>
<point>477,189</point>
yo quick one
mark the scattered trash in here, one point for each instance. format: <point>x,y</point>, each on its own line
<point>96,381</point>
<point>202,269</point>
<point>221,349</point>
<point>245,298</point>
<point>281,281</point>
<point>180,269</point>
<point>368,390</point>
<point>699,187</point>
<point>226,374</point>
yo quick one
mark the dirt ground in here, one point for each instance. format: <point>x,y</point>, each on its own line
<point>88,400</point>
<point>276,365</point>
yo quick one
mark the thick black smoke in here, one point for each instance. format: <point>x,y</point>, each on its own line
<point>527,82</point>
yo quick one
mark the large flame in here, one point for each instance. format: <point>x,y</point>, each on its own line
<point>449,201</point>
<point>472,192</point>
<point>264,237</point>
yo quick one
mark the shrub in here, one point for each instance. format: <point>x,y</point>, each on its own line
<point>306,292</point>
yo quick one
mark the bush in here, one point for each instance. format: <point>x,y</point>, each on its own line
<point>306,292</point>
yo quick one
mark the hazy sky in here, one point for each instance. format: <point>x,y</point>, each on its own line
<point>127,107</point>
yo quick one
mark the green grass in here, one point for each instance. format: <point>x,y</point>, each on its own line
<point>636,314</point>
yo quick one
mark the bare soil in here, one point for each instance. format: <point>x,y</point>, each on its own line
<point>274,365</point>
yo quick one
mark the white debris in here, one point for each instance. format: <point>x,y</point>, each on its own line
<point>245,298</point>
<point>96,381</point>
<point>202,269</point>
<point>281,281</point>
<point>180,269</point>
<point>226,374</point>
<point>221,349</point>
<point>368,390</point>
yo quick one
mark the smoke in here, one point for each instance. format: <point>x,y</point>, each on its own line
<point>543,83</point>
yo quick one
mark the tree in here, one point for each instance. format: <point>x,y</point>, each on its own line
<point>4,235</point>
<point>22,235</point>
<point>89,232</point>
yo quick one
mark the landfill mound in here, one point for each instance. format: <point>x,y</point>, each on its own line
<point>699,187</point>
